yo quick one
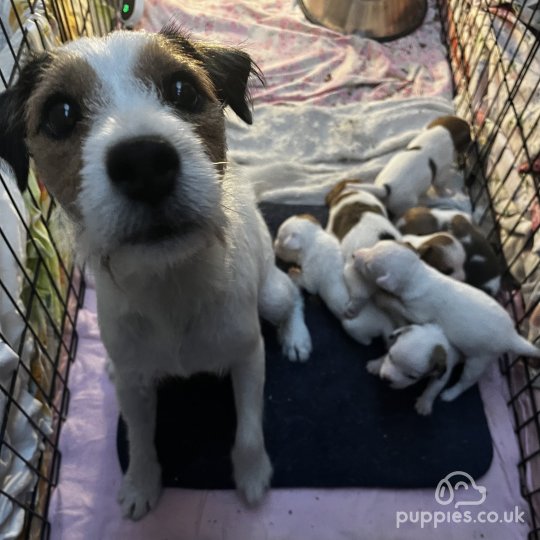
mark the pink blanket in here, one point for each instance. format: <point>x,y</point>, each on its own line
<point>306,63</point>
<point>84,505</point>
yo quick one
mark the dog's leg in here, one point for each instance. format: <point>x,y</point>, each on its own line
<point>252,468</point>
<point>424,404</point>
<point>281,304</point>
<point>472,371</point>
<point>141,484</point>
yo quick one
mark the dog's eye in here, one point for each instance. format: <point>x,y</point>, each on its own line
<point>60,117</point>
<point>183,94</point>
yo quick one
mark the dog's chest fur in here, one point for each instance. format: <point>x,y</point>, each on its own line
<point>173,323</point>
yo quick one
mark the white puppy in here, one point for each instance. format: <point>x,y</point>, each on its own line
<point>301,240</point>
<point>128,133</point>
<point>472,321</point>
<point>425,162</point>
<point>417,351</point>
<point>441,251</point>
<point>370,229</point>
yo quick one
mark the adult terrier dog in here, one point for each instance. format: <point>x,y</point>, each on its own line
<point>128,133</point>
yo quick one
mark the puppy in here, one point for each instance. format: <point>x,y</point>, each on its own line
<point>441,251</point>
<point>424,163</point>
<point>347,203</point>
<point>422,220</point>
<point>301,240</point>
<point>370,229</point>
<point>472,321</point>
<point>128,133</point>
<point>482,267</point>
<point>417,351</point>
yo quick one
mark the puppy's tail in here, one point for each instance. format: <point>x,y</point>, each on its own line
<point>522,347</point>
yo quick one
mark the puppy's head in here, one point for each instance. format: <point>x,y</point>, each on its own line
<point>416,351</point>
<point>418,220</point>
<point>444,253</point>
<point>459,130</point>
<point>294,236</point>
<point>388,264</point>
<point>127,132</point>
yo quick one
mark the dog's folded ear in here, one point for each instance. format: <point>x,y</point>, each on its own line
<point>229,69</point>
<point>12,125</point>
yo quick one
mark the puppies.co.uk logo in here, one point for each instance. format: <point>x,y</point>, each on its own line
<point>460,489</point>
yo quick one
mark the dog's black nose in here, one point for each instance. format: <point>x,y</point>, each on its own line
<point>144,168</point>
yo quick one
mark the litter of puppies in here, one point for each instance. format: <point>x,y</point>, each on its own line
<point>422,278</point>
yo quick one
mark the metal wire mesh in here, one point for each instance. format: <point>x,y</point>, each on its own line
<point>493,53</point>
<point>41,289</point>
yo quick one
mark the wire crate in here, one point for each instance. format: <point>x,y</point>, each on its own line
<point>41,288</point>
<point>493,52</point>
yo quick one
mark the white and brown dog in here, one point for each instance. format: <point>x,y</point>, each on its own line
<point>425,162</point>
<point>417,351</point>
<point>128,133</point>
<point>441,251</point>
<point>473,322</point>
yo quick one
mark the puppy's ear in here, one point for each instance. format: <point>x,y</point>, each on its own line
<point>291,242</point>
<point>438,361</point>
<point>388,283</point>
<point>12,119</point>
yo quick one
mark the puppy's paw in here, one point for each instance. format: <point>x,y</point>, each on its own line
<point>450,394</point>
<point>295,274</point>
<point>374,367</point>
<point>352,309</point>
<point>139,494</point>
<point>252,476</point>
<point>296,342</point>
<point>423,406</point>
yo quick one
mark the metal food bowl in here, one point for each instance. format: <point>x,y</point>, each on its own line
<point>382,20</point>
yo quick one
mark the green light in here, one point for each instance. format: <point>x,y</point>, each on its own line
<point>125,8</point>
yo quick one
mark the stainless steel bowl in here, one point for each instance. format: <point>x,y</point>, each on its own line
<point>382,20</point>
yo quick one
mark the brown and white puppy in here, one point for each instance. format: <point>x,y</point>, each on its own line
<point>347,203</point>
<point>417,351</point>
<point>128,133</point>
<point>441,251</point>
<point>425,163</point>
<point>482,267</point>
<point>421,220</point>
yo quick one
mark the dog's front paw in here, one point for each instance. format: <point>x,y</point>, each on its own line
<point>374,367</point>
<point>297,345</point>
<point>423,406</point>
<point>296,342</point>
<point>252,476</point>
<point>140,493</point>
